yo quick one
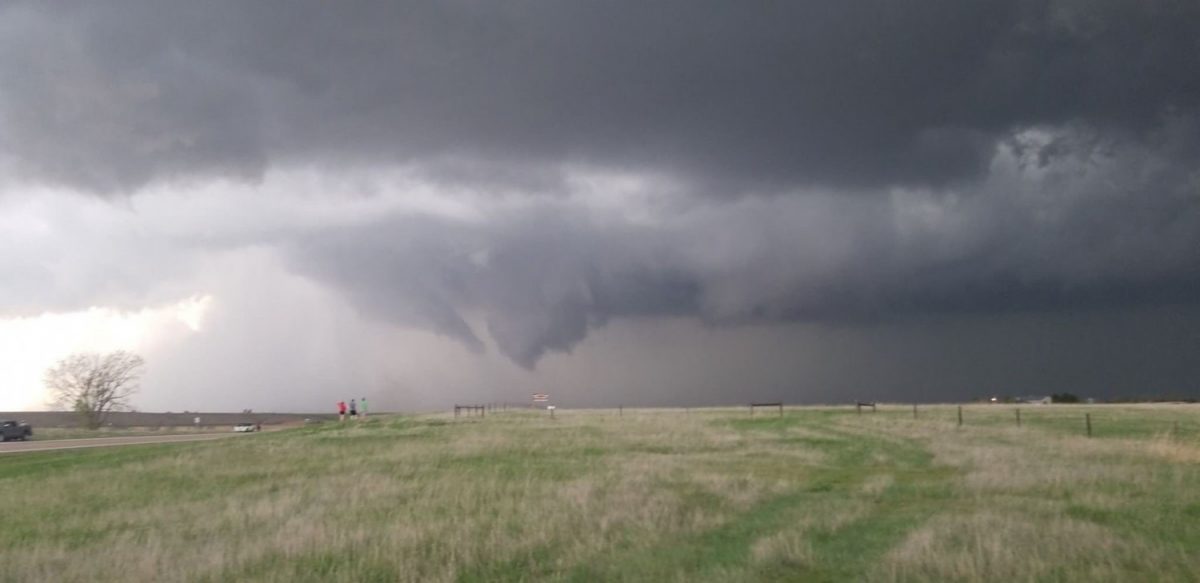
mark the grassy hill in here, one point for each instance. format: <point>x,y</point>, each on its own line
<point>818,494</point>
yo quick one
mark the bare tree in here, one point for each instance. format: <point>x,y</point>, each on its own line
<point>95,384</point>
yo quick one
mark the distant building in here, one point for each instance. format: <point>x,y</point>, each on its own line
<point>1034,400</point>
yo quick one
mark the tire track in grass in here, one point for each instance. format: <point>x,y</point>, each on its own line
<point>846,552</point>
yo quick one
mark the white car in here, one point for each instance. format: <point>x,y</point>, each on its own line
<point>245,428</point>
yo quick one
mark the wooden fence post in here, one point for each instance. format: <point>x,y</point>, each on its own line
<point>620,410</point>
<point>914,410</point>
<point>960,415</point>
<point>1018,416</point>
<point>1087,418</point>
<point>778,405</point>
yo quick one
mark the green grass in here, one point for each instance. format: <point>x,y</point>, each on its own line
<point>820,494</point>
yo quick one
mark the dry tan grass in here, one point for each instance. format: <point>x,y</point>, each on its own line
<point>1008,546</point>
<point>791,547</point>
<point>1173,450</point>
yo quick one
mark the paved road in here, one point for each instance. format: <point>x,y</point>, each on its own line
<point>53,444</point>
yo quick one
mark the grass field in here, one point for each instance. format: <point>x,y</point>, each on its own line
<point>653,495</point>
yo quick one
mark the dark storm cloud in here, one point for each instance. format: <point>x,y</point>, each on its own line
<point>737,96</point>
<point>937,156</point>
<point>1076,234</point>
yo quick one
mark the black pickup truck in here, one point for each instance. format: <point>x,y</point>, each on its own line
<point>15,430</point>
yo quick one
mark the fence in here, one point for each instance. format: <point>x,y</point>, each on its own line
<point>1084,422</point>
<point>962,417</point>
<point>754,405</point>
<point>471,409</point>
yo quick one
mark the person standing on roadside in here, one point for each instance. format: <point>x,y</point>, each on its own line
<point>362,405</point>
<point>353,410</point>
<point>341,410</point>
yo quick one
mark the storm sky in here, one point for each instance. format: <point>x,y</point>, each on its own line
<point>285,204</point>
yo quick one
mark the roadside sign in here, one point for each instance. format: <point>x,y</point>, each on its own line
<point>540,397</point>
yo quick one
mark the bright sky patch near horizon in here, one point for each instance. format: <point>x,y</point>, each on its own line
<point>31,345</point>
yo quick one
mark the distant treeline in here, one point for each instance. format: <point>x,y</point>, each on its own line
<point>1152,400</point>
<point>1073,398</point>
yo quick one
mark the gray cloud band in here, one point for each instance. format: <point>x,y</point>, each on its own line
<point>734,97</point>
